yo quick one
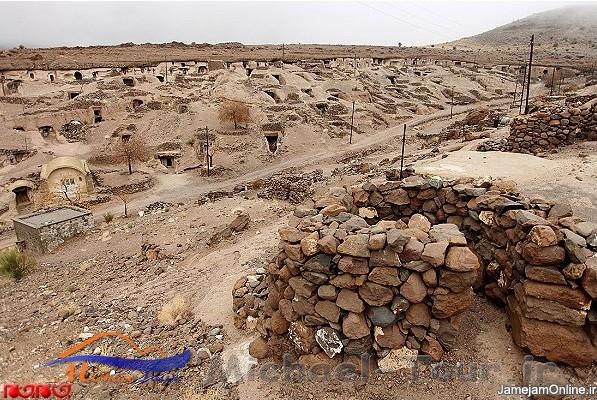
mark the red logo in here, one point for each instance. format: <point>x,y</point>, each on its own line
<point>37,390</point>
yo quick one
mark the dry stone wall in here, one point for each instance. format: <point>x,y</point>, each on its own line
<point>553,126</point>
<point>380,266</point>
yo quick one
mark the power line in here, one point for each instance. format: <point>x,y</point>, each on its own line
<point>404,21</point>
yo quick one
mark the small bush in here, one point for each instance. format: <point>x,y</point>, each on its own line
<point>108,217</point>
<point>176,309</point>
<point>15,264</point>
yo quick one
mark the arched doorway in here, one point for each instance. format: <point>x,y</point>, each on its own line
<point>78,75</point>
<point>22,196</point>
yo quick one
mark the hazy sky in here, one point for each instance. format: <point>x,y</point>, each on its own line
<point>48,24</point>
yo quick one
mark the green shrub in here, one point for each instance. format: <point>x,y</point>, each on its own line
<point>15,264</point>
<point>108,217</point>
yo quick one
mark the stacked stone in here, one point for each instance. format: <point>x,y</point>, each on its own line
<point>344,287</point>
<point>358,258</point>
<point>551,127</point>
<point>248,297</point>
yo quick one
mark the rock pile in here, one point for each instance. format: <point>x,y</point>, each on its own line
<point>288,186</point>
<point>379,266</point>
<point>553,126</point>
<point>494,145</point>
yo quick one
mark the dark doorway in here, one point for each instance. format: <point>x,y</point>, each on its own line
<point>272,95</point>
<point>22,196</point>
<point>167,162</point>
<point>160,78</point>
<point>97,116</point>
<point>249,70</point>
<point>45,131</point>
<point>72,95</point>
<point>51,78</point>
<point>322,107</point>
<point>137,103</point>
<point>32,75</point>
<point>272,142</point>
<point>78,75</point>
<point>128,81</point>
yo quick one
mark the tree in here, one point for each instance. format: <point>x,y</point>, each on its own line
<point>235,112</point>
<point>132,150</point>
<point>124,197</point>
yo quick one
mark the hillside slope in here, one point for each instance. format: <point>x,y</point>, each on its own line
<point>568,33</point>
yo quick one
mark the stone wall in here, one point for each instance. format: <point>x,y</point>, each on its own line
<point>553,126</point>
<point>54,235</point>
<point>375,267</point>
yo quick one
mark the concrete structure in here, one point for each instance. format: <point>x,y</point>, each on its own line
<point>45,230</point>
<point>68,174</point>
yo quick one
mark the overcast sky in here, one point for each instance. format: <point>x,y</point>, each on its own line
<point>49,24</point>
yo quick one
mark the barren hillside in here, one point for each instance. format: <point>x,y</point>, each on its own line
<point>567,34</point>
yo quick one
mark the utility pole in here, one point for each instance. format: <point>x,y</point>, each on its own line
<point>553,74</point>
<point>452,102</point>
<point>166,61</point>
<point>515,90</point>
<point>402,156</point>
<point>526,104</point>
<point>351,123</point>
<point>207,149</point>
<point>524,78</point>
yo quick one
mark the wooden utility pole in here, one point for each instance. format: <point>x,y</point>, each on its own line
<point>553,75</point>
<point>526,104</point>
<point>452,103</point>
<point>166,61</point>
<point>515,90</point>
<point>351,123</point>
<point>402,156</point>
<point>524,79</point>
<point>207,149</point>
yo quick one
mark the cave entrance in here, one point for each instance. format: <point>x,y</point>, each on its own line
<point>272,141</point>
<point>128,81</point>
<point>78,76</point>
<point>137,103</point>
<point>322,107</point>
<point>167,161</point>
<point>97,115</point>
<point>160,78</point>
<point>51,78</point>
<point>273,95</point>
<point>46,130</point>
<point>72,95</point>
<point>22,196</point>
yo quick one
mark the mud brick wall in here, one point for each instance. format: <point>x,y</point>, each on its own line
<point>379,266</point>
<point>551,127</point>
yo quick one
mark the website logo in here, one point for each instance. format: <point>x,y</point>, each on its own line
<point>148,369</point>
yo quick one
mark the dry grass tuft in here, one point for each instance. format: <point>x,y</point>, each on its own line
<point>176,309</point>
<point>209,394</point>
